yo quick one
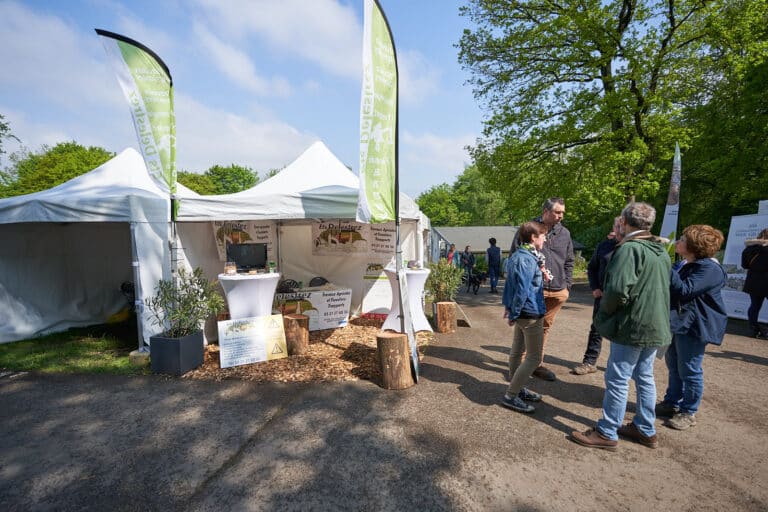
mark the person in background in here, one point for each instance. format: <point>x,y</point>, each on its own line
<point>558,251</point>
<point>524,309</point>
<point>595,273</point>
<point>697,317</point>
<point>634,315</point>
<point>451,256</point>
<point>467,262</point>
<point>754,259</point>
<point>493,257</point>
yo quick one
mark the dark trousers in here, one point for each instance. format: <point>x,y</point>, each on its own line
<point>493,276</point>
<point>594,340</point>
<point>755,303</point>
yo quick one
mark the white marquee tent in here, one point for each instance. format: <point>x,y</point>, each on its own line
<point>67,250</point>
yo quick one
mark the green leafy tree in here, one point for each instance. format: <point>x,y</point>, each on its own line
<point>200,183</point>
<point>5,134</point>
<point>232,178</point>
<point>586,97</point>
<point>438,204</point>
<point>50,166</point>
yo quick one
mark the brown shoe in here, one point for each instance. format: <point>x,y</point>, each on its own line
<point>585,368</point>
<point>630,431</point>
<point>544,373</point>
<point>593,439</point>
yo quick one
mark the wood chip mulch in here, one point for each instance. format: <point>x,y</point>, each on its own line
<point>345,353</point>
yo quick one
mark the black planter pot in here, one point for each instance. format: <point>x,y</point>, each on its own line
<point>176,356</point>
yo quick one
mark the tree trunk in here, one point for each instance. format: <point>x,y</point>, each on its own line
<point>296,333</point>
<point>394,360</point>
<point>446,317</point>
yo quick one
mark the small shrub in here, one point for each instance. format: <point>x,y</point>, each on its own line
<point>444,281</point>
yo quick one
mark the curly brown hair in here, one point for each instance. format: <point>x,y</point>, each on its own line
<point>703,241</point>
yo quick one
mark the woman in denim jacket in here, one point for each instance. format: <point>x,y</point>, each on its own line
<point>697,317</point>
<point>523,300</point>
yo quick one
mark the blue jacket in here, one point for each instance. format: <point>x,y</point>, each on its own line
<point>697,303</point>
<point>524,288</point>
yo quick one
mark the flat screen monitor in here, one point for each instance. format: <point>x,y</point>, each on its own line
<point>247,256</point>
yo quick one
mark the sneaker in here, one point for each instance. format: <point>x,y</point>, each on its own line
<point>585,368</point>
<point>516,404</point>
<point>529,396</point>
<point>631,431</point>
<point>665,410</point>
<point>593,439</point>
<point>544,373</point>
<point>681,421</point>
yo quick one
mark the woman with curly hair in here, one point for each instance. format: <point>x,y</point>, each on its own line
<point>697,317</point>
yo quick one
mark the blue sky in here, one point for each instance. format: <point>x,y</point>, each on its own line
<point>255,81</point>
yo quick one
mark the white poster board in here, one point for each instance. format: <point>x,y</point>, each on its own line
<point>377,292</point>
<point>743,227</point>
<point>326,308</point>
<point>244,231</point>
<point>251,340</point>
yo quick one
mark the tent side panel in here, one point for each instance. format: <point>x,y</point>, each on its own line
<point>55,276</point>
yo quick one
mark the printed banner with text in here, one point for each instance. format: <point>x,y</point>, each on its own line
<point>378,120</point>
<point>148,87</point>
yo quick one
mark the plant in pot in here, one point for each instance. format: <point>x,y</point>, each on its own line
<point>442,285</point>
<point>180,307</point>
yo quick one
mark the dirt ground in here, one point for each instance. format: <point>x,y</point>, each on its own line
<point>89,442</point>
<point>720,464</point>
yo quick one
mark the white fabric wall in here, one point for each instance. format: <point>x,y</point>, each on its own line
<point>57,276</point>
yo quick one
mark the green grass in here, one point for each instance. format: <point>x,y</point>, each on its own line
<point>100,349</point>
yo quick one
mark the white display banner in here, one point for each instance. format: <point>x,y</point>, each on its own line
<point>743,227</point>
<point>333,237</point>
<point>377,292</point>
<point>326,309</point>
<point>251,340</point>
<point>244,231</point>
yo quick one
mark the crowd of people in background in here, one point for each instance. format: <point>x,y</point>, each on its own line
<point>643,305</point>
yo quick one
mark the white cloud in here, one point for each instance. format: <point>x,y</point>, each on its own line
<point>65,67</point>
<point>206,137</point>
<point>428,159</point>
<point>418,78</point>
<point>237,66</point>
<point>321,31</point>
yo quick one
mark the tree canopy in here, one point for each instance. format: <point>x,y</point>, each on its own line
<point>587,98</point>
<point>50,166</point>
<point>220,179</point>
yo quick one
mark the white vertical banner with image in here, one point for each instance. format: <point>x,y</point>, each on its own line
<point>340,236</point>
<point>743,228</point>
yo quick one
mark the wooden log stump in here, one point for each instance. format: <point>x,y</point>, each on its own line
<point>296,333</point>
<point>446,317</point>
<point>394,360</point>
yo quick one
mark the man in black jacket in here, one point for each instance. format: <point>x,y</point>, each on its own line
<point>595,273</point>
<point>558,251</point>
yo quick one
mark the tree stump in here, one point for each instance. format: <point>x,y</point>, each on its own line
<point>446,317</point>
<point>296,333</point>
<point>394,360</point>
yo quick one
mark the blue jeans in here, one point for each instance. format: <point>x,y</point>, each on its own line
<point>686,376</point>
<point>493,276</point>
<point>627,362</point>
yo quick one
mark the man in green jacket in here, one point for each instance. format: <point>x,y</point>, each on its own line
<point>634,315</point>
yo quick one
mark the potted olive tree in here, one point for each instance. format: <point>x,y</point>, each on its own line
<point>180,307</point>
<point>442,285</point>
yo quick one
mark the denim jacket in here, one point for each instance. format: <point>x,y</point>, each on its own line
<point>524,288</point>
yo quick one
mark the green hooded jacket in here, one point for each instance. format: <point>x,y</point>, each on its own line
<point>634,308</point>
